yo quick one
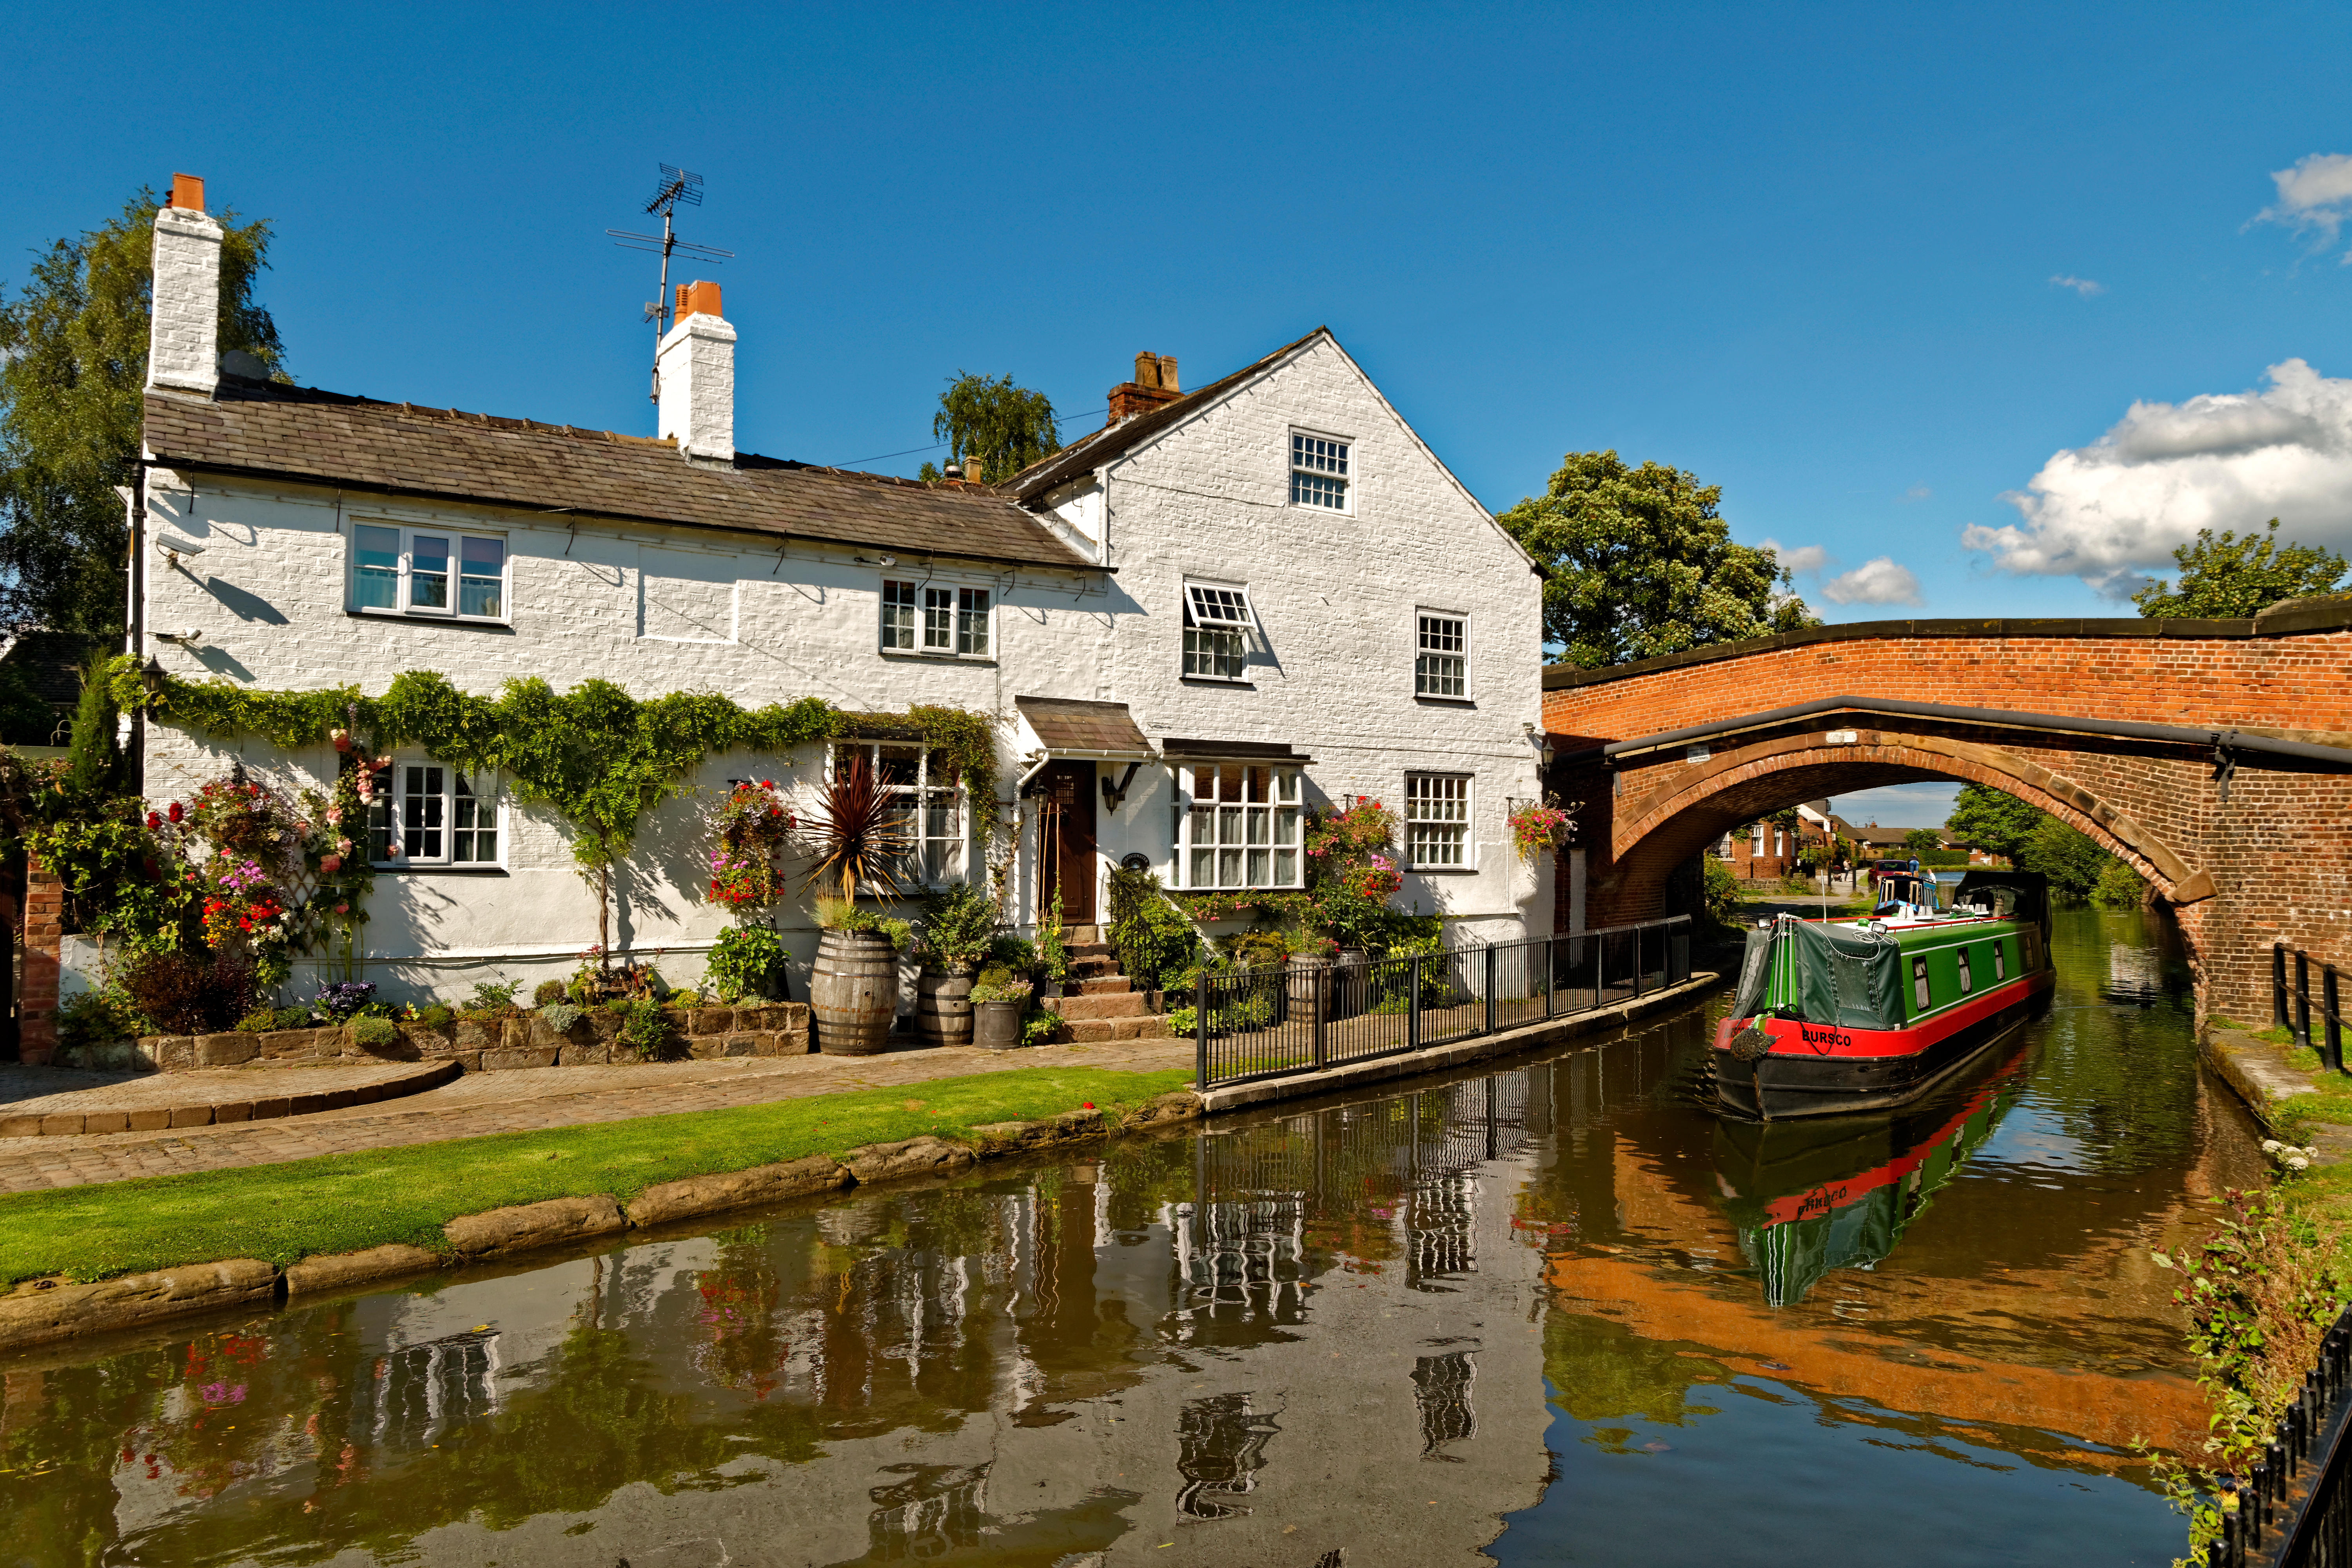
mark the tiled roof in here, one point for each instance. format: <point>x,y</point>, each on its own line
<point>1066,724</point>
<point>265,428</point>
<point>1092,452</point>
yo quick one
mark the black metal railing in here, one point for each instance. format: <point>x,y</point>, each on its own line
<point>2292,1010</point>
<point>1278,1019</point>
<point>2294,1509</point>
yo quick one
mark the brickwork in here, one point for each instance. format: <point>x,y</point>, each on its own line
<point>2272,864</point>
<point>37,993</point>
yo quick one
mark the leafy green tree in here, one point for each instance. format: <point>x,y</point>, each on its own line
<point>2230,578</point>
<point>1992,820</point>
<point>2119,886</point>
<point>1640,563</point>
<point>73,362</point>
<point>2071,858</point>
<point>1007,427</point>
<point>1919,840</point>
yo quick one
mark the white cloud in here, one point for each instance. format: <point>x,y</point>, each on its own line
<point>1803,558</point>
<point>1917,493</point>
<point>1879,582</point>
<point>2085,287</point>
<point>2315,195</point>
<point>2219,460</point>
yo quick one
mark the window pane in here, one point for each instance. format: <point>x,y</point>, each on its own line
<point>1318,489</point>
<point>421,804</point>
<point>1286,868</point>
<point>1260,823</point>
<point>379,818</point>
<point>899,614</point>
<point>1286,784</point>
<point>1229,783</point>
<point>481,587</point>
<point>1229,868</point>
<point>376,585</point>
<point>938,619</point>
<point>1285,825</point>
<point>1257,786</point>
<point>900,764</point>
<point>1204,825</point>
<point>1261,867</point>
<point>971,620</point>
<point>1203,872</point>
<point>1229,824</point>
<point>428,573</point>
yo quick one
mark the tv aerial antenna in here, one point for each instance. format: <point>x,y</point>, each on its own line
<point>677,186</point>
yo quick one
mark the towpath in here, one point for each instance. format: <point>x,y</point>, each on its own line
<point>480,1104</point>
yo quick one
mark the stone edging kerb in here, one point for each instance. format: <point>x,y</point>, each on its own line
<point>261,1106</point>
<point>42,1311</point>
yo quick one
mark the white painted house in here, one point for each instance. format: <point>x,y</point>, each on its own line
<point>1225,606</point>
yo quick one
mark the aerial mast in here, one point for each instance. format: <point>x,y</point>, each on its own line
<point>676,185</point>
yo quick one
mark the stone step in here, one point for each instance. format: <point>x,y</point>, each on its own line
<point>1121,1005</point>
<point>1105,985</point>
<point>1087,949</point>
<point>1095,1031</point>
<point>1093,968</point>
<point>1076,936</point>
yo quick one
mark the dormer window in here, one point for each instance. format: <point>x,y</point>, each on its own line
<point>1318,472</point>
<point>1217,622</point>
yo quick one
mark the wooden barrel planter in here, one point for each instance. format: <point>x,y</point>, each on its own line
<point>996,1026</point>
<point>1306,978</point>
<point>943,1006</point>
<point>1347,982</point>
<point>852,991</point>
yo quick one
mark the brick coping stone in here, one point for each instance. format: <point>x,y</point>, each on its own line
<point>155,1105</point>
<point>43,1310</point>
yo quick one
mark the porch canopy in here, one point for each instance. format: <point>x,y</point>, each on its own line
<point>1067,727</point>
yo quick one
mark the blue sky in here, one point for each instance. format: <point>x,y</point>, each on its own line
<point>1808,253</point>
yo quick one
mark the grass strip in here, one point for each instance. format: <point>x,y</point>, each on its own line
<point>343,1203</point>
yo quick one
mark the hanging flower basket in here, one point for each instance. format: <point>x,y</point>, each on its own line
<point>1540,825</point>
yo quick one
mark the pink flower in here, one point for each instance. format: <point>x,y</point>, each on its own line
<point>334,813</point>
<point>331,864</point>
<point>343,909</point>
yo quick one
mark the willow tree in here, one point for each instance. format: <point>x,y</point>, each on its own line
<point>1007,427</point>
<point>73,362</point>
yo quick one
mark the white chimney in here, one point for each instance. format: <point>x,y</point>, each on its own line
<point>696,366</point>
<point>183,341</point>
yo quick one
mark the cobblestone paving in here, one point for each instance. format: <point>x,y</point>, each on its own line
<point>483,1103</point>
<point>43,1091</point>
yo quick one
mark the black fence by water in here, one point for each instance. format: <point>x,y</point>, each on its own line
<point>2295,1509</point>
<point>1279,1019</point>
<point>2294,1011</point>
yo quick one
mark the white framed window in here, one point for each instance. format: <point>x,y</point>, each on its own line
<point>1239,826</point>
<point>403,571</point>
<point>1437,821</point>
<point>924,808</point>
<point>1218,619</point>
<point>434,815</point>
<point>1441,660</point>
<point>1318,472</point>
<point>936,618</point>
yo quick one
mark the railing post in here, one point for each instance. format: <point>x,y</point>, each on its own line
<point>1551,974</point>
<point>1637,963</point>
<point>1412,1012</point>
<point>1490,990</point>
<point>2303,999</point>
<point>1322,1018</point>
<point>2278,985</point>
<point>2331,1017</point>
<point>1201,1030</point>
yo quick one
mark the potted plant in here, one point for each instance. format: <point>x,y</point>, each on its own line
<point>859,844</point>
<point>998,1002</point>
<point>1052,954</point>
<point>1309,964</point>
<point>959,927</point>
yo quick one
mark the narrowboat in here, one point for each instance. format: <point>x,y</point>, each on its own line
<point>1833,1016</point>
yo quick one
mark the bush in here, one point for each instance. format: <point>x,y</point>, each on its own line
<point>1038,1028</point>
<point>743,961</point>
<point>190,994</point>
<point>2118,886</point>
<point>1183,1021</point>
<point>372,1032</point>
<point>433,1016</point>
<point>1720,895</point>
<point>994,976</point>
<point>560,1017</point>
<point>1150,937</point>
<point>296,1018</point>
<point>548,992</point>
<point>341,999</point>
<point>492,998</point>
<point>260,1021</point>
<point>958,924</point>
<point>646,1029</point>
<point>97,1016</point>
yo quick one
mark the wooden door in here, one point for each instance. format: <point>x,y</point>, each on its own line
<point>1066,836</point>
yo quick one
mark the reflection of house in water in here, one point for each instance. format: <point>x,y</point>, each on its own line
<point>418,1392</point>
<point>1220,1447</point>
<point>936,1509</point>
<point>2134,974</point>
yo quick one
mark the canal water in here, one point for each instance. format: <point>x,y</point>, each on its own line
<point>1554,1313</point>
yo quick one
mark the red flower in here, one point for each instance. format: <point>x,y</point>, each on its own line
<point>174,812</point>
<point>154,820</point>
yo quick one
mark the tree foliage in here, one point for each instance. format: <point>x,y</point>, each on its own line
<point>73,360</point>
<point>2229,577</point>
<point>1640,563</point>
<point>1919,840</point>
<point>1007,427</point>
<point>2071,858</point>
<point>1992,820</point>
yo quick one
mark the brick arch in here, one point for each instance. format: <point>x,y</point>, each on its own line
<point>1672,823</point>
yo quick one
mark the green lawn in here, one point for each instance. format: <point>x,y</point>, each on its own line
<point>343,1203</point>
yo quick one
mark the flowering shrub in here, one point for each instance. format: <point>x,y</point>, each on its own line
<point>342,998</point>
<point>1539,826</point>
<point>749,827</point>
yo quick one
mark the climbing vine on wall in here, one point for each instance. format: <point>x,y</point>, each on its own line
<point>599,756</point>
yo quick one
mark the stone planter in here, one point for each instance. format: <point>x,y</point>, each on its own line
<point>996,1026</point>
<point>943,1006</point>
<point>854,993</point>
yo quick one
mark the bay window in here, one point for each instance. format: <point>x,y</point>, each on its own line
<point>1239,826</point>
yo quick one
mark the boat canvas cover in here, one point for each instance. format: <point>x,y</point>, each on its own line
<point>1848,977</point>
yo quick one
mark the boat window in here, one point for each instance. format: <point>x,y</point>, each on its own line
<point>1999,965</point>
<point>1967,983</point>
<point>1919,981</point>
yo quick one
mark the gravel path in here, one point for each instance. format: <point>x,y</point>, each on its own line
<point>483,1103</point>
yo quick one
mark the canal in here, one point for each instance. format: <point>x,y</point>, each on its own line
<point>1552,1313</point>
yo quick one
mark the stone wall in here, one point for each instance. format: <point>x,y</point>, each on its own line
<point>778,1029</point>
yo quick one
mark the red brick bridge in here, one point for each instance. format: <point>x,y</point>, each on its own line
<point>2215,756</point>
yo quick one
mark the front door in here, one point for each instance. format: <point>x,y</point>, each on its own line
<point>1066,837</point>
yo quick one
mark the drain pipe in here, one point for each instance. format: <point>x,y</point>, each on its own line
<point>1022,782</point>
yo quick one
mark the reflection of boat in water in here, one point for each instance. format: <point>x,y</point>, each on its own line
<point>1836,1192</point>
<point>1836,1016</point>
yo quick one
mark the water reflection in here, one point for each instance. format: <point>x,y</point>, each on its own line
<point>1532,1314</point>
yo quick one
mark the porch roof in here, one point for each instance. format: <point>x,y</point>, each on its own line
<point>1066,724</point>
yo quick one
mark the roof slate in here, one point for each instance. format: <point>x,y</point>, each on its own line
<point>265,428</point>
<point>1068,724</point>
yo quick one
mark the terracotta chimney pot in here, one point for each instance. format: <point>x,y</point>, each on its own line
<point>187,191</point>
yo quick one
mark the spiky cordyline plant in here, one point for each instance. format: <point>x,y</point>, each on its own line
<point>858,844</point>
